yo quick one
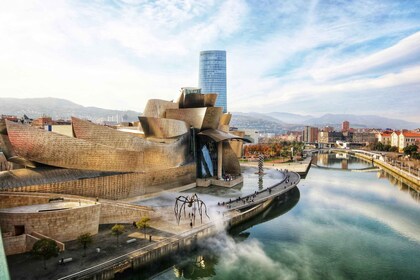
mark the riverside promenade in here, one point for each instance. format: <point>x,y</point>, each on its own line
<point>300,167</point>
<point>177,238</point>
<point>408,177</point>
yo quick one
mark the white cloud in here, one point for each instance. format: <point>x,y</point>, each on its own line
<point>103,54</point>
<point>404,52</point>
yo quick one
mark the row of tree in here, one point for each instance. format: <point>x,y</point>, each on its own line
<point>276,149</point>
<point>379,146</point>
<point>412,151</point>
<point>47,248</point>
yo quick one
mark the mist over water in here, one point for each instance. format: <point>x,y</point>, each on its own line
<point>336,225</point>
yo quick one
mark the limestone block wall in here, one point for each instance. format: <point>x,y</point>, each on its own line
<point>23,243</point>
<point>14,200</point>
<point>30,241</point>
<point>63,225</point>
<point>120,213</point>
<point>119,186</point>
<point>14,244</point>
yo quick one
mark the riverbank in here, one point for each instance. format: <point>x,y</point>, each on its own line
<point>361,225</point>
<point>299,167</point>
<point>393,170</point>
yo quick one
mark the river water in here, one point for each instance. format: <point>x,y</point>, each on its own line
<point>338,224</point>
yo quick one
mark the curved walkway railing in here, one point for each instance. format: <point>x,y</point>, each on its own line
<point>290,181</point>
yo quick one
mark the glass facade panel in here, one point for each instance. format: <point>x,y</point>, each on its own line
<point>212,75</point>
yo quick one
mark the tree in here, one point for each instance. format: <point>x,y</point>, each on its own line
<point>45,249</point>
<point>144,224</point>
<point>393,149</point>
<point>117,230</point>
<point>85,240</point>
<point>409,150</point>
<point>379,146</point>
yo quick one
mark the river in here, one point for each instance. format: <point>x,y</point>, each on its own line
<point>337,224</point>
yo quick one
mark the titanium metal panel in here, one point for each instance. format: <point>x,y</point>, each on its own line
<point>218,135</point>
<point>181,100</point>
<point>230,162</point>
<point>210,99</point>
<point>156,108</point>
<point>62,151</point>
<point>163,128</point>
<point>7,149</point>
<point>198,100</point>
<point>199,118</point>
<point>225,119</point>
<point>172,154</point>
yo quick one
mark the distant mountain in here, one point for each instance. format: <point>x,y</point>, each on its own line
<point>273,122</point>
<point>289,117</point>
<point>369,121</point>
<point>266,117</point>
<point>259,122</point>
<point>61,109</point>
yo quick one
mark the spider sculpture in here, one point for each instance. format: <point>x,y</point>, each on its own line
<point>194,202</point>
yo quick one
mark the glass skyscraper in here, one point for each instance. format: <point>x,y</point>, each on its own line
<point>212,76</point>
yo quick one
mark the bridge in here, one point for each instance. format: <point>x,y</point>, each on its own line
<point>366,169</point>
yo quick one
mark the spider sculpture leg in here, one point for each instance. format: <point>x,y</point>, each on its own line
<point>179,204</point>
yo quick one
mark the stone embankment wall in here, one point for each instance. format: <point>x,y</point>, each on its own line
<point>394,171</point>
<point>118,186</point>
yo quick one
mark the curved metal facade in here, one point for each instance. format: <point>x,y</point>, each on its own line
<point>156,108</point>
<point>171,154</point>
<point>62,151</point>
<point>199,118</point>
<point>230,161</point>
<point>7,149</point>
<point>163,128</point>
<point>218,135</point>
<point>198,100</point>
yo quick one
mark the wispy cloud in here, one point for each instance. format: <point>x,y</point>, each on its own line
<point>117,54</point>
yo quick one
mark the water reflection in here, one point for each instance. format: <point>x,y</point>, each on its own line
<point>280,206</point>
<point>337,225</point>
<point>342,161</point>
<point>200,267</point>
<point>260,181</point>
<point>345,161</point>
<point>204,261</point>
<point>405,186</point>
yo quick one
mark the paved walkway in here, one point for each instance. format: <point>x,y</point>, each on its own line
<point>25,267</point>
<point>290,181</point>
<point>297,166</point>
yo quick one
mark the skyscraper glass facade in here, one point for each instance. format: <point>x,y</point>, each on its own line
<point>212,76</point>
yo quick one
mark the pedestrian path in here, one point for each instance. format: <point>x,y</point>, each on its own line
<point>289,182</point>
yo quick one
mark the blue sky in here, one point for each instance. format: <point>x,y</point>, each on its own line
<point>307,57</point>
